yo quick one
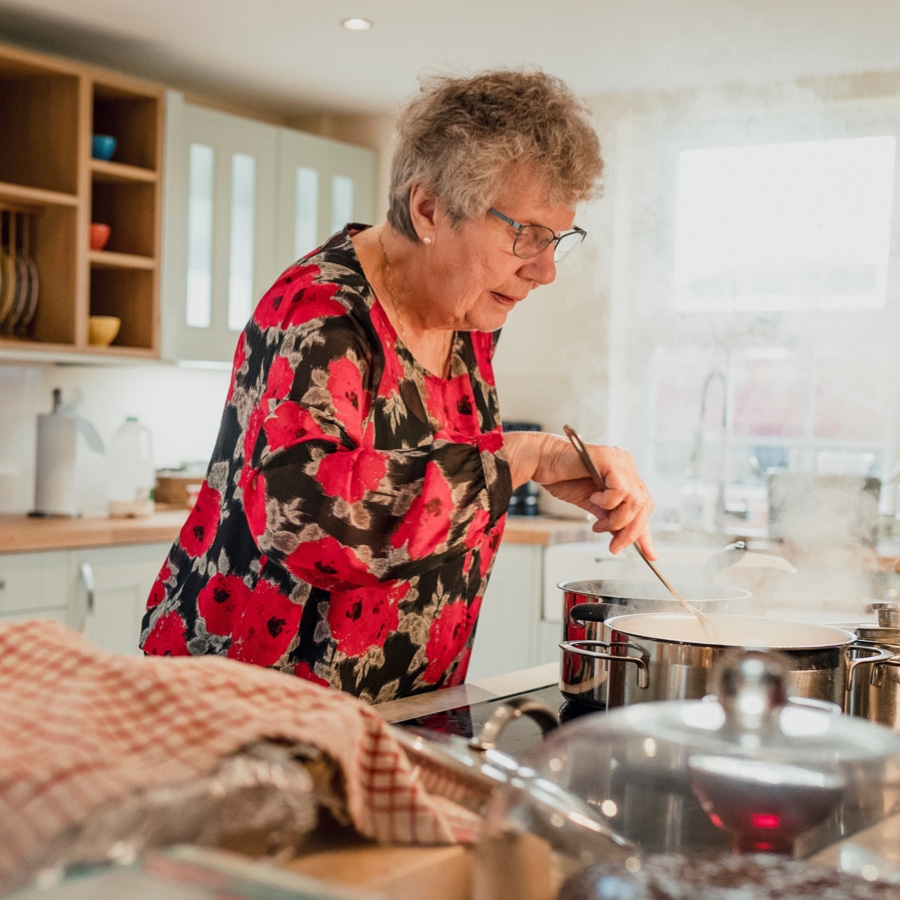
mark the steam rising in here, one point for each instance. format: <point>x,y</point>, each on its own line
<point>798,458</point>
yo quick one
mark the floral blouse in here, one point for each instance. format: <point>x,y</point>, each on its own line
<point>353,504</point>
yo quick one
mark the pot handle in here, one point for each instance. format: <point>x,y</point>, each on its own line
<point>578,648</point>
<point>589,612</point>
<point>508,711</point>
<point>722,559</point>
<point>879,655</point>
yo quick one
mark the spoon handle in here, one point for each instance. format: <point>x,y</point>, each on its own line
<point>588,463</point>
<point>660,575</point>
<point>586,460</point>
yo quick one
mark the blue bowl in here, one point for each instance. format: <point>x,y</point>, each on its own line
<point>103,146</point>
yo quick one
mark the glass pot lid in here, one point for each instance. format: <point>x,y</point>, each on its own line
<point>748,769</point>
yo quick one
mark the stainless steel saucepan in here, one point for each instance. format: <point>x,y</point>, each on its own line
<point>670,657</point>
<point>587,605</point>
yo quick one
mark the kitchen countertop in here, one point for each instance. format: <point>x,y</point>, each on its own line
<point>21,533</point>
<point>466,694</point>
<point>24,533</point>
<point>545,530</point>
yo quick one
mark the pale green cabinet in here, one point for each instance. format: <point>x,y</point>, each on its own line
<point>100,592</point>
<point>110,587</point>
<point>244,199</point>
<point>322,185</point>
<point>507,636</point>
<point>34,584</point>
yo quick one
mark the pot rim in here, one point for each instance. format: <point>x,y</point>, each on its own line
<point>650,591</point>
<point>627,624</point>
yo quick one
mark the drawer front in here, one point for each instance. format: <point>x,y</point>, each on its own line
<point>33,581</point>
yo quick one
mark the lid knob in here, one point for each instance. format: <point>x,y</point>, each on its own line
<point>752,688</point>
<point>887,612</point>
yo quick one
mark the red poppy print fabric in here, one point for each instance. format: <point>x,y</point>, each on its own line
<point>349,518</point>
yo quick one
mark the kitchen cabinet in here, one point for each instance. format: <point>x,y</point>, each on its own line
<point>519,626</point>
<point>51,189</point>
<point>322,185</point>
<point>34,584</point>
<point>244,199</point>
<point>511,634</point>
<point>99,591</point>
<point>110,586</point>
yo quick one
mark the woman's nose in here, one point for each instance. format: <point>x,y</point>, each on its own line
<point>540,268</point>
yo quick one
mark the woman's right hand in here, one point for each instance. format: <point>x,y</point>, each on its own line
<point>623,508</point>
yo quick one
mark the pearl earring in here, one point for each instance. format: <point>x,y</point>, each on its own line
<point>426,239</point>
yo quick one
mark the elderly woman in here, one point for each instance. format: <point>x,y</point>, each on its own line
<point>358,490</point>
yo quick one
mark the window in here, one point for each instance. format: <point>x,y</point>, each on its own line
<point>755,312</point>
<point>779,226</point>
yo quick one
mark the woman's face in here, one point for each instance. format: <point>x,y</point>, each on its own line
<point>474,279</point>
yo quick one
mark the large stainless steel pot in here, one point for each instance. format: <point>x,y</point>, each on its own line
<point>588,604</point>
<point>878,698</point>
<point>670,656</point>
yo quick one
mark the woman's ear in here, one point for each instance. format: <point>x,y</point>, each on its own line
<point>422,211</point>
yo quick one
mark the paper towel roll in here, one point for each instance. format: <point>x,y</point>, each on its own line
<point>54,483</point>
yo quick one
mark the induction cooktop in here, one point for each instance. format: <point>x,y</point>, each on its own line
<point>519,734</point>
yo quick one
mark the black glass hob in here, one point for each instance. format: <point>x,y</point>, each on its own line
<point>519,734</point>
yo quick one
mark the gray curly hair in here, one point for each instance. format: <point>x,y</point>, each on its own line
<point>459,137</point>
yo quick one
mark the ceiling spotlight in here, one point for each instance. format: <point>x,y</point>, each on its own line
<point>357,24</point>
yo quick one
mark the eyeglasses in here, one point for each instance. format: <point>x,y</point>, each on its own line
<point>532,240</point>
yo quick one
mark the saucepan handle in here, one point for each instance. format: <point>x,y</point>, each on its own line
<point>879,655</point>
<point>722,559</point>
<point>589,612</point>
<point>508,711</point>
<point>579,649</point>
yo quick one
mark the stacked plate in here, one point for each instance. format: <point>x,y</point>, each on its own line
<point>19,282</point>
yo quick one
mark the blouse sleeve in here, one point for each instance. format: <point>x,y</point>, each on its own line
<point>343,485</point>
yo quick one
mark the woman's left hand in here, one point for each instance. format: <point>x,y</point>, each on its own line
<point>623,508</point>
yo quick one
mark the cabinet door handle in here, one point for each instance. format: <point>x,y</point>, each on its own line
<point>87,579</point>
<point>2,584</point>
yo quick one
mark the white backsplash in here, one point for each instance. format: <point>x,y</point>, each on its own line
<point>181,407</point>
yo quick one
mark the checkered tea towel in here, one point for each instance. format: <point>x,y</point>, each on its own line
<point>81,727</point>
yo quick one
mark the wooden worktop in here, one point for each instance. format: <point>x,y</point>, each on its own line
<point>23,533</point>
<point>544,530</point>
<point>19,534</point>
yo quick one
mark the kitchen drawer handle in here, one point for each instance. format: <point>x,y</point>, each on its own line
<point>87,579</point>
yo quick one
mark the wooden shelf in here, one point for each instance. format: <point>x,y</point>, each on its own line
<point>29,199</point>
<point>50,108</point>
<point>104,259</point>
<point>102,170</point>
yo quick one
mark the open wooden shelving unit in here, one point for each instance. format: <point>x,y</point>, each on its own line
<point>50,108</point>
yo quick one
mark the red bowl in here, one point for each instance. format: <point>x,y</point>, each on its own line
<point>99,235</point>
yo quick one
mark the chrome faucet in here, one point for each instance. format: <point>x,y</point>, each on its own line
<point>697,452</point>
<point>696,465</point>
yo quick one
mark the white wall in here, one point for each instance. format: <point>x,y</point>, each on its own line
<point>181,407</point>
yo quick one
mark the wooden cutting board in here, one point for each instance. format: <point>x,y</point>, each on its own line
<point>396,873</point>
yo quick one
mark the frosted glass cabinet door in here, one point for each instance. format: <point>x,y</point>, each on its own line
<point>322,185</point>
<point>218,227</point>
